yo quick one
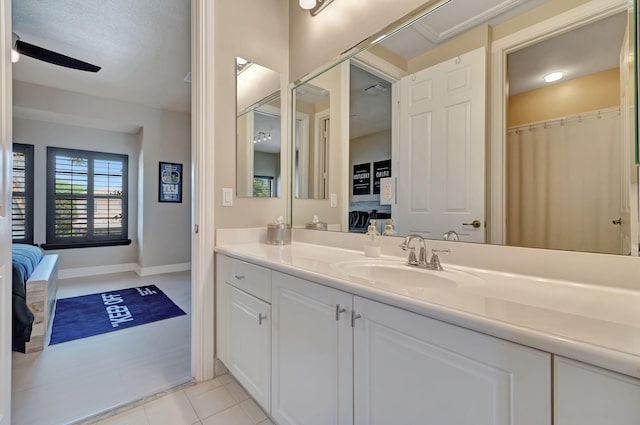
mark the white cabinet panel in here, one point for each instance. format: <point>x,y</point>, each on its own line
<point>587,395</point>
<point>312,353</point>
<point>250,346</point>
<point>409,369</point>
<point>222,308</point>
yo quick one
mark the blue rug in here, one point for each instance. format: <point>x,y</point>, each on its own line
<point>95,314</point>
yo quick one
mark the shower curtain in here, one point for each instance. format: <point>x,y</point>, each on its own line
<point>564,183</point>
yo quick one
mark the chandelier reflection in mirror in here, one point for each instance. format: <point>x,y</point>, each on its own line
<point>261,137</point>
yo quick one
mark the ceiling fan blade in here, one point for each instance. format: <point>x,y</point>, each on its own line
<point>39,53</point>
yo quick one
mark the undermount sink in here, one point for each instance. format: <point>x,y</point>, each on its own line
<point>399,277</point>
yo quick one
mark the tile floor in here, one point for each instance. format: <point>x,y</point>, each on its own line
<point>77,379</point>
<point>221,401</point>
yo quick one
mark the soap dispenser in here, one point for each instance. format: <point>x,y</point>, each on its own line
<point>389,229</point>
<point>372,244</point>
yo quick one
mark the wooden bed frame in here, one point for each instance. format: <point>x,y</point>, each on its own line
<point>42,287</point>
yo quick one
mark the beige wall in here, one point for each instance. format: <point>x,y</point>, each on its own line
<point>164,229</point>
<point>316,40</point>
<point>257,31</point>
<point>590,93</point>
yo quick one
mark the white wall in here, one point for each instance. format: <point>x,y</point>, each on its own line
<point>42,134</point>
<point>163,229</point>
<point>266,164</point>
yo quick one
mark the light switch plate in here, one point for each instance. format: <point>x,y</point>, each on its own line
<point>227,197</point>
<point>388,191</point>
<point>334,200</point>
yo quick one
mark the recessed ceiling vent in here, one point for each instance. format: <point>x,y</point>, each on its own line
<point>375,89</point>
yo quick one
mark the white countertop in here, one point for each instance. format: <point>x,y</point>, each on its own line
<point>594,324</point>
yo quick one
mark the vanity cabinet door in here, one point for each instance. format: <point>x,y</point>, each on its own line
<point>588,395</point>
<point>250,344</point>
<point>410,369</point>
<point>312,365</point>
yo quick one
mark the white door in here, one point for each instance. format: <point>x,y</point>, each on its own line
<point>628,183</point>
<point>587,395</point>
<point>5,210</point>
<point>409,369</point>
<point>312,361</point>
<point>441,177</point>
<point>250,344</point>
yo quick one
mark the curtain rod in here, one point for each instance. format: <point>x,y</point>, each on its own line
<point>563,120</point>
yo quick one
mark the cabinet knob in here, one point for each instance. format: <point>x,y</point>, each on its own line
<point>339,310</point>
<point>239,276</point>
<point>261,317</point>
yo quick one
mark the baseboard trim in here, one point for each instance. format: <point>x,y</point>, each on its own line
<point>96,270</point>
<point>168,268</point>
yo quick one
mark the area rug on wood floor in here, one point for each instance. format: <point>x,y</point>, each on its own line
<point>95,314</point>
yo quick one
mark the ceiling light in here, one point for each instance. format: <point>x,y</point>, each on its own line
<point>15,56</point>
<point>241,61</point>
<point>554,76</point>
<point>307,4</point>
<point>375,89</point>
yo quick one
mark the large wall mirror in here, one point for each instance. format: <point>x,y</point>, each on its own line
<point>423,139</point>
<point>258,131</point>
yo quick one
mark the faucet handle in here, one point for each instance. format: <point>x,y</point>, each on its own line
<point>412,260</point>
<point>434,263</point>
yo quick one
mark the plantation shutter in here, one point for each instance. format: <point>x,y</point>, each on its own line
<point>87,197</point>
<point>22,194</point>
<point>262,186</point>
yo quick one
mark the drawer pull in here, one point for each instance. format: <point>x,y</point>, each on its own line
<point>339,310</point>
<point>261,317</point>
<point>239,276</point>
<point>354,316</point>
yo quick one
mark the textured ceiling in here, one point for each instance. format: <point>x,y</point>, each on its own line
<point>583,51</point>
<point>452,19</point>
<point>143,47</point>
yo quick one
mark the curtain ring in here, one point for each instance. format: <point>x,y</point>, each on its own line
<point>458,60</point>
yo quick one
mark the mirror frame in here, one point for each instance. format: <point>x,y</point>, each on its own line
<point>248,109</point>
<point>578,16</point>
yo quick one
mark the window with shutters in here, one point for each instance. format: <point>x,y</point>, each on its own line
<point>86,198</point>
<point>263,186</point>
<point>22,194</point>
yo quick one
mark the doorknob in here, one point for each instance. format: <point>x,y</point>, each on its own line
<point>618,221</point>
<point>475,223</point>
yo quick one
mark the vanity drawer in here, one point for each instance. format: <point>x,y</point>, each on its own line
<point>255,280</point>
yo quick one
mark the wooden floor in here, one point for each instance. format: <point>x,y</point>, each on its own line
<point>73,380</point>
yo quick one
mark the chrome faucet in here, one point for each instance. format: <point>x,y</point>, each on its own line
<point>421,260</point>
<point>412,260</point>
<point>451,235</point>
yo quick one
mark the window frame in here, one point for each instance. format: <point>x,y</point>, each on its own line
<point>89,240</point>
<point>28,151</point>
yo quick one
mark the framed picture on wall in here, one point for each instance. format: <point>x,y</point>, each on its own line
<point>170,182</point>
